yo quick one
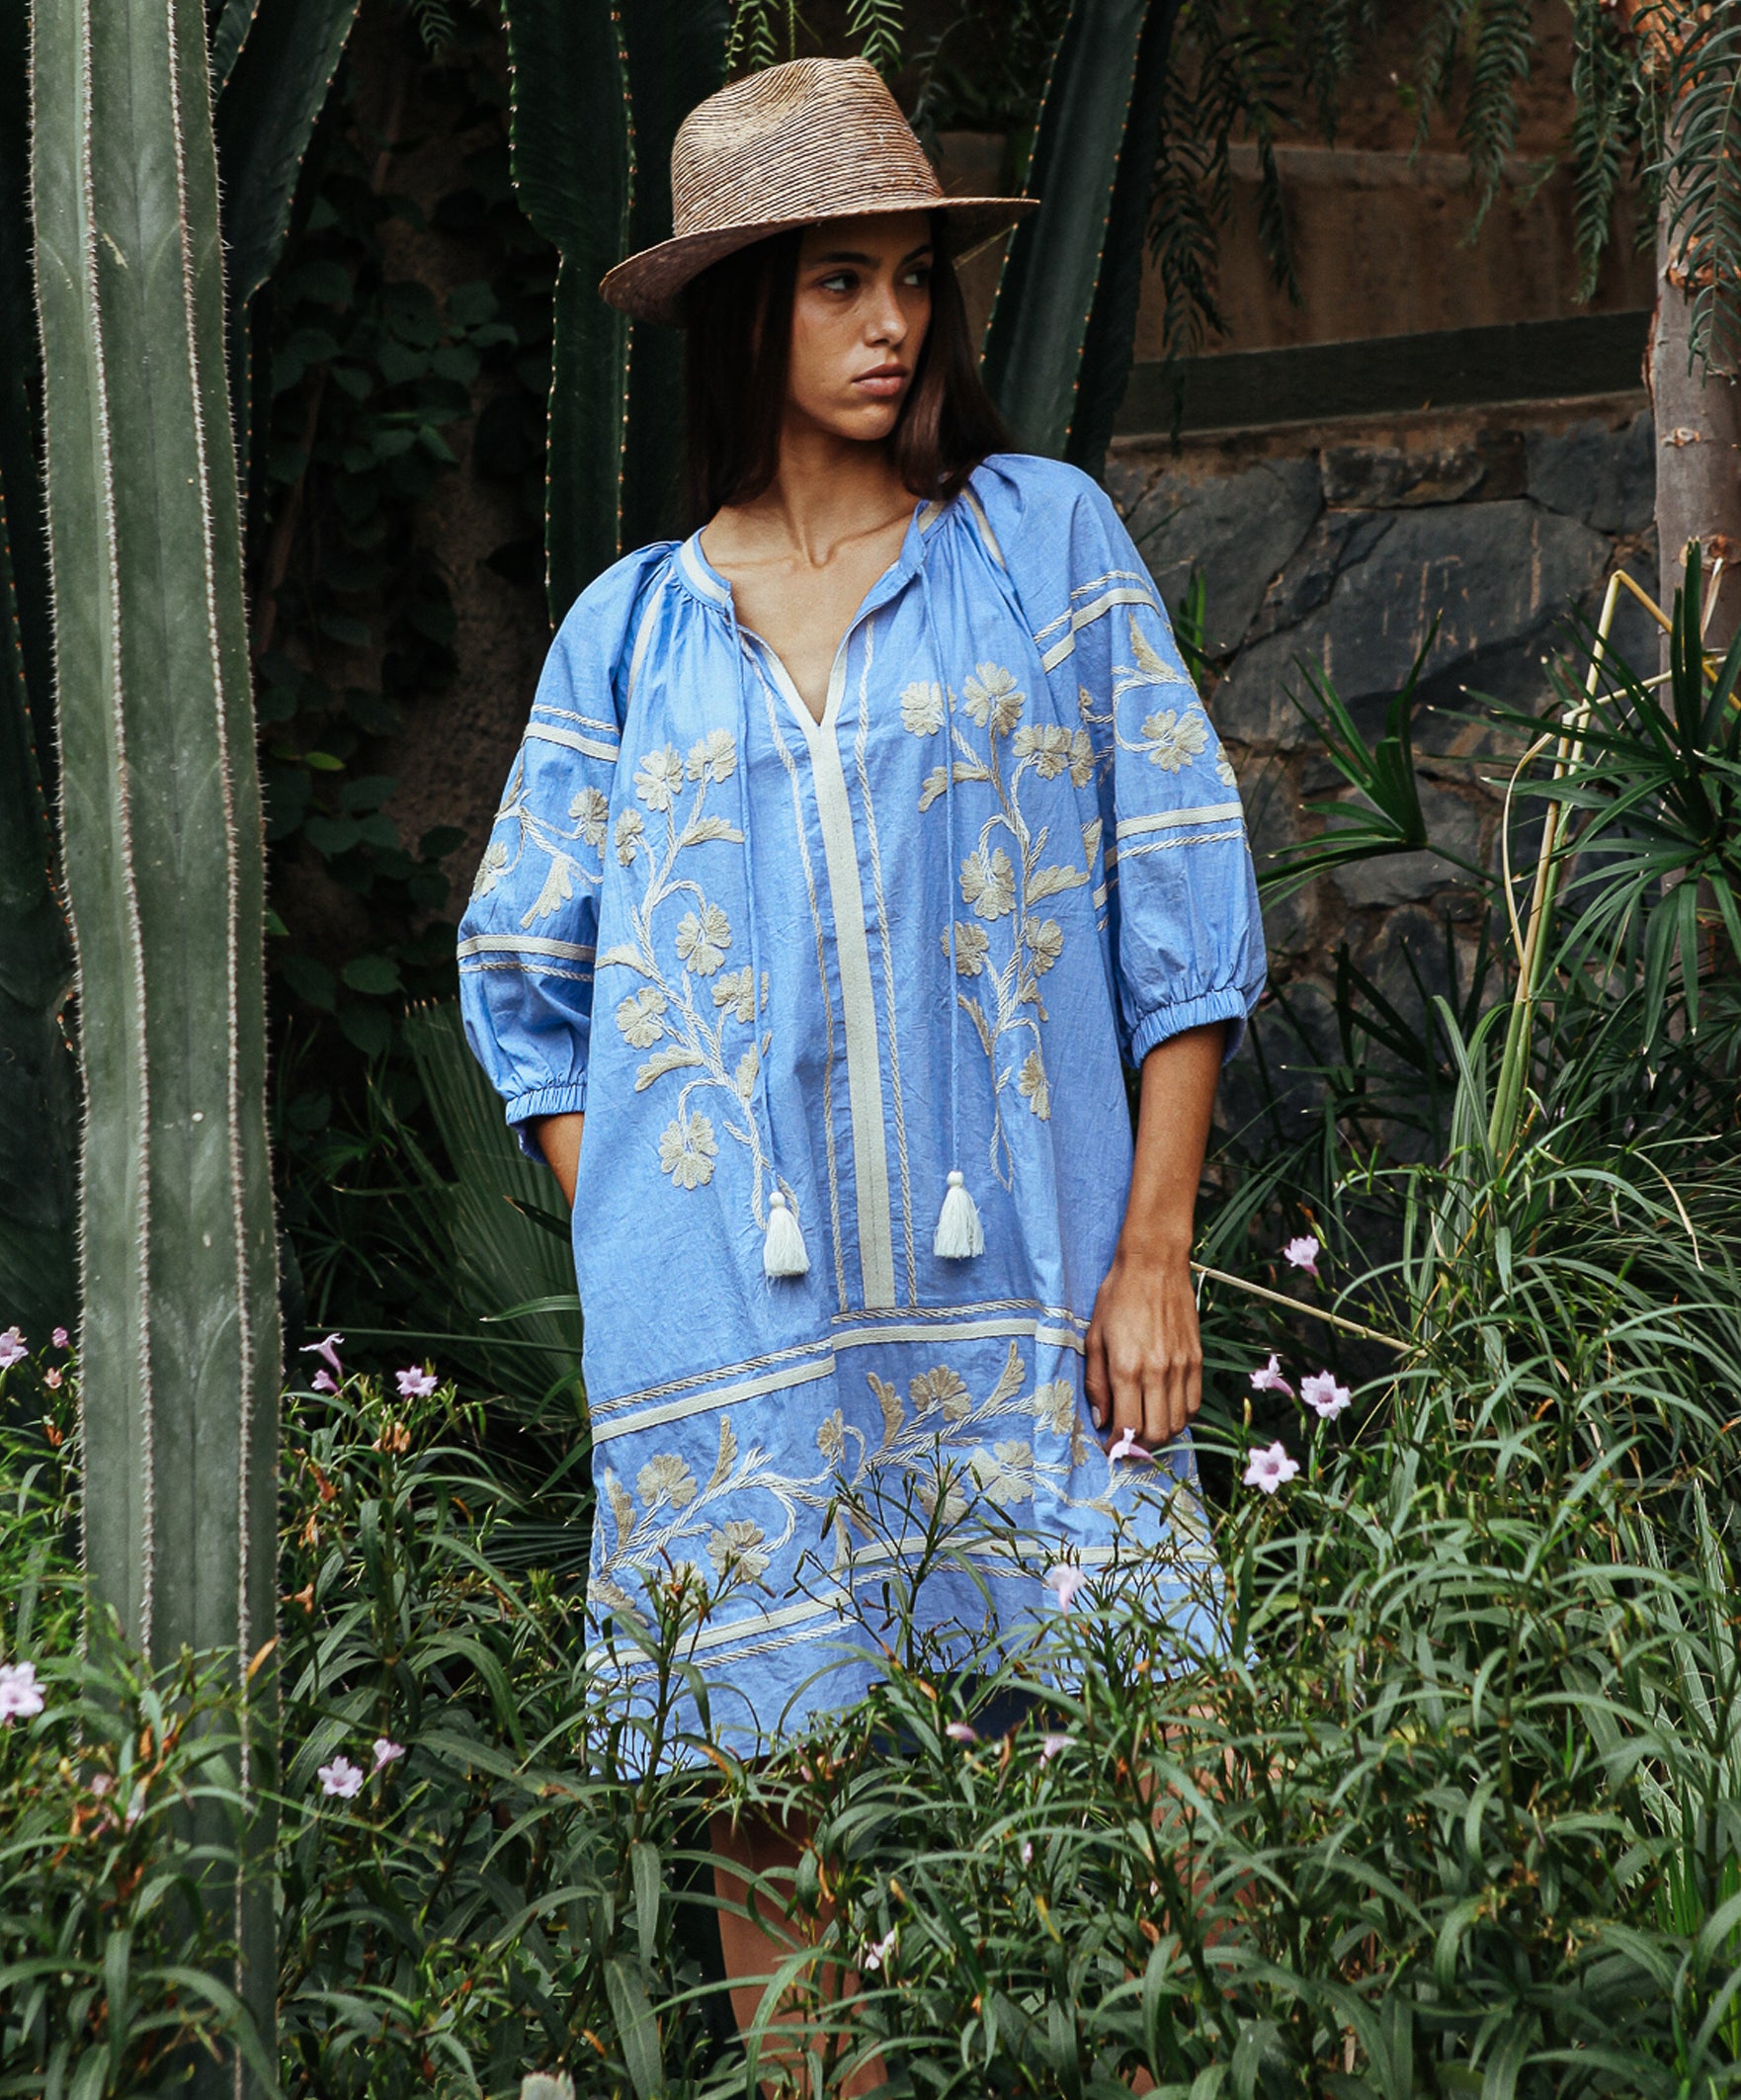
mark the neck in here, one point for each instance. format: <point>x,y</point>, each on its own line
<point>828,489</point>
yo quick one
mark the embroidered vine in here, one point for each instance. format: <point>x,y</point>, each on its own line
<point>587,812</point>
<point>1170,737</point>
<point>692,1016</point>
<point>1004,876</point>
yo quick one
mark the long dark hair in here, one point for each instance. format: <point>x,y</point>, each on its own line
<point>738,316</point>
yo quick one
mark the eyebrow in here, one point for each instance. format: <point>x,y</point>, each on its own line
<point>854,255</point>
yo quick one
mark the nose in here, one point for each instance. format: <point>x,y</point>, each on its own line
<point>885,320</point>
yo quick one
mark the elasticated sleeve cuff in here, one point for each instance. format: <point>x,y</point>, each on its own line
<point>1228,1004</point>
<point>569,1099</point>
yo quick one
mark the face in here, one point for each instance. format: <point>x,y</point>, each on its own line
<point>860,306</point>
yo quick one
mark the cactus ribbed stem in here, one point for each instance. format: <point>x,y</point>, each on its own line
<point>164,862</point>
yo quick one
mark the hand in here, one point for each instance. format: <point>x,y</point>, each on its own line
<point>1144,1368</point>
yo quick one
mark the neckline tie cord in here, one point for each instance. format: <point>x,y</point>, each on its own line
<point>959,1236</point>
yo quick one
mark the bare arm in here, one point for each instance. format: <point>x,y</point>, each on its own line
<point>1144,1368</point>
<point>559,1138</point>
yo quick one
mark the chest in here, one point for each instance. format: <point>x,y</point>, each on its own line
<point>803,613</point>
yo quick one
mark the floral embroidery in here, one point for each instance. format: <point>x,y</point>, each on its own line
<point>687,1149</point>
<point>665,1477</point>
<point>1170,737</point>
<point>703,1043</point>
<point>922,709</point>
<point>1173,741</point>
<point>941,1442</point>
<point>1004,876</point>
<point>541,835</point>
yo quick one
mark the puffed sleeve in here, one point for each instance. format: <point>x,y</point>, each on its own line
<point>528,938</point>
<point>1184,923</point>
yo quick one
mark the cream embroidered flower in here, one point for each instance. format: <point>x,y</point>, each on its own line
<point>592,812</point>
<point>993,700</point>
<point>638,1016</point>
<point>831,1438</point>
<point>631,830</point>
<point>687,1150</point>
<point>1054,1406</point>
<point>989,883</point>
<point>922,708</point>
<point>714,757</point>
<point>733,991</point>
<point>744,1078</point>
<point>940,1387</point>
<point>491,869</point>
<point>952,1497</point>
<point>1224,769</point>
<point>666,1476</point>
<point>1005,1472</point>
<point>658,779</point>
<point>735,1550</point>
<point>701,941</point>
<point>1049,744</point>
<point>1046,942</point>
<point>1173,739</point>
<point>1031,1083</point>
<point>971,944</point>
<point>1081,757</point>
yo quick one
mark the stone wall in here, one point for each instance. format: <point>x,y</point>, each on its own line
<point>1343,545</point>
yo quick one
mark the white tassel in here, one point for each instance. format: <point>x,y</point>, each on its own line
<point>783,1251</point>
<point>959,1234</point>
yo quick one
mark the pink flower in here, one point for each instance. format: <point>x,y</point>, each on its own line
<point>51,1378</point>
<point>1271,1469</point>
<point>1053,1746</point>
<point>59,1337</point>
<point>328,1353</point>
<point>1128,1448</point>
<point>875,1954</point>
<point>1302,1253</point>
<point>386,1752</point>
<point>322,1380</point>
<point>12,1348</point>
<point>1028,1852</point>
<point>958,1731</point>
<point>21,1695</point>
<point>1321,1392</point>
<point>341,1778</point>
<point>1063,1580</point>
<point>416,1385</point>
<point>1269,1379</point>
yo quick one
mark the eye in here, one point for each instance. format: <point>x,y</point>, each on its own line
<point>919,273</point>
<point>837,281</point>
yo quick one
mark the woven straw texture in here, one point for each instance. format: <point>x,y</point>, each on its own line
<point>817,139</point>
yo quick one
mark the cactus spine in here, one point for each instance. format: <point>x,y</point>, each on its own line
<point>163,856</point>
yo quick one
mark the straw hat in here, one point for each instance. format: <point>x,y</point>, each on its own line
<point>818,138</point>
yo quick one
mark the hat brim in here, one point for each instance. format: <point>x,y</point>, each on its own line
<point>649,286</point>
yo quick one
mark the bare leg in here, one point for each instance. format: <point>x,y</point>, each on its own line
<point>755,1938</point>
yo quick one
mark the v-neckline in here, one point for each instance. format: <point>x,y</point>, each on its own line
<point>702,572</point>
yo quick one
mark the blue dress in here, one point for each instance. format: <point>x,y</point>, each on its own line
<point>801,976</point>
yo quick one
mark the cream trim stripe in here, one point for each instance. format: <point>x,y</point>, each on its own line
<point>643,634</point>
<point>524,943</point>
<point>583,721</point>
<point>1174,820</point>
<point>691,557</point>
<point>589,746</point>
<point>985,532</point>
<point>1188,838</point>
<point>1087,615</point>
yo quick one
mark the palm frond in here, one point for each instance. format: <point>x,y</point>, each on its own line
<point>1703,168</point>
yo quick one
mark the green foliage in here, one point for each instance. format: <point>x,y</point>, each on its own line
<point>1702,171</point>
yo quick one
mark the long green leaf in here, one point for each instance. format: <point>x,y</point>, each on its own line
<point>1093,155</point>
<point>274,86</point>
<point>573,163</point>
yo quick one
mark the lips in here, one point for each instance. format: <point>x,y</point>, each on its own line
<point>883,381</point>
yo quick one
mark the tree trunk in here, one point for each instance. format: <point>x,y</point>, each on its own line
<point>1698,413</point>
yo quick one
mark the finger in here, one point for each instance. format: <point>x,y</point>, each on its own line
<point>1127,1400</point>
<point>1193,1389</point>
<point>1096,1383</point>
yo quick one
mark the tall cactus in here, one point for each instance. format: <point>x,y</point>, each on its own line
<point>164,865</point>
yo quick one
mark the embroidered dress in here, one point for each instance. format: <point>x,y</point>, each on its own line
<point>816,966</point>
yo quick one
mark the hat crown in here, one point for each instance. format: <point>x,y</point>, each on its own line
<point>816,138</point>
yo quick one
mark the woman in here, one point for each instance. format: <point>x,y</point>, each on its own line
<point>855,842</point>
